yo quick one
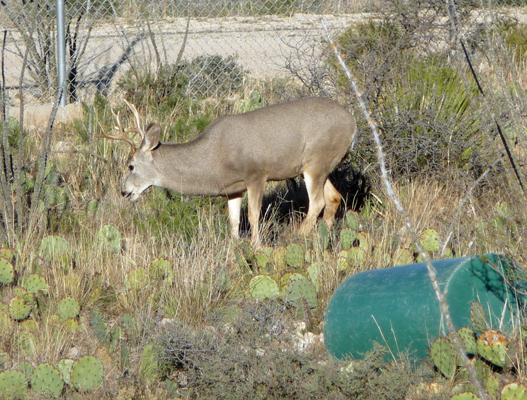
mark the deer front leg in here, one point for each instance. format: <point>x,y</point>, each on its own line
<point>255,195</point>
<point>235,206</point>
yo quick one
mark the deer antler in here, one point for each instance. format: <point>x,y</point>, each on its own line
<point>137,120</point>
<point>121,135</point>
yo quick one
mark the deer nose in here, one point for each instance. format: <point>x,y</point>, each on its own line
<point>124,194</point>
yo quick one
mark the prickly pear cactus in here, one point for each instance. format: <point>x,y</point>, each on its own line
<point>263,258</point>
<point>278,258</point>
<point>100,328</point>
<point>314,270</point>
<point>402,257</point>
<point>47,380</point>
<point>6,325</point>
<point>26,368</point>
<point>129,324</point>
<point>13,385</point>
<point>478,317</point>
<point>347,238</point>
<point>242,262</point>
<point>109,238</point>
<point>87,374</point>
<point>69,308</point>
<point>162,269</point>
<point>53,247</point>
<point>7,253</point>
<point>352,219</point>
<point>247,252</point>
<point>35,283</point>
<point>124,356</point>
<point>7,271</point>
<point>356,256</point>
<point>516,391</point>
<point>365,241</point>
<point>298,291</point>
<point>492,346</point>
<point>444,356</point>
<point>492,386</point>
<point>136,279</point>
<point>468,339</point>
<point>323,232</point>
<point>465,396</point>
<point>294,256</point>
<point>263,287</point>
<point>430,240</point>
<point>150,363</point>
<point>19,309</point>
<point>65,367</point>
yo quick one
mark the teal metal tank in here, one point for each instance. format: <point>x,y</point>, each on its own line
<point>398,308</point>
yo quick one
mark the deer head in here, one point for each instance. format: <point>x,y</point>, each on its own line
<point>142,172</point>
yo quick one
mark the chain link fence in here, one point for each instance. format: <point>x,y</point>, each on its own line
<point>219,40</point>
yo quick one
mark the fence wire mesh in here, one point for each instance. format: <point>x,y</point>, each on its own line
<point>218,40</point>
<point>216,44</point>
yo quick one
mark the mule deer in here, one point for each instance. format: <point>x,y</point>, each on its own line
<point>238,153</point>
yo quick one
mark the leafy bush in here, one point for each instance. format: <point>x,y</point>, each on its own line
<point>201,77</point>
<point>429,121</point>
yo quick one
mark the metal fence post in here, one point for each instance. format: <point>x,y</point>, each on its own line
<point>61,50</point>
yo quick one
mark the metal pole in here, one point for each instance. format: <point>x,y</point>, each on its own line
<point>61,49</point>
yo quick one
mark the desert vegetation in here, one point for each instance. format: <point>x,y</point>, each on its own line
<point>102,298</point>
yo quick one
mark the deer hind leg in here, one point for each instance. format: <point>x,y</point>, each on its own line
<point>255,192</point>
<point>315,192</point>
<point>235,206</point>
<point>332,198</point>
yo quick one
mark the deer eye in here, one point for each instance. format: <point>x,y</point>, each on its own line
<point>131,167</point>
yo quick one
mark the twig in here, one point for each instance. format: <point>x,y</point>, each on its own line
<point>443,305</point>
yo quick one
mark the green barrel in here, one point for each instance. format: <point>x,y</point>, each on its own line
<point>398,308</point>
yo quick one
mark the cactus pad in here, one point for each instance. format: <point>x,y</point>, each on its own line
<point>150,363</point>
<point>7,271</point>
<point>444,356</point>
<point>468,339</point>
<point>69,308</point>
<point>294,256</point>
<point>356,256</point>
<point>278,258</point>
<point>314,271</point>
<point>352,219</point>
<point>7,253</point>
<point>297,291</point>
<point>347,238</point>
<point>323,232</point>
<point>402,257</point>
<point>5,324</point>
<point>109,238</point>
<point>430,240</point>
<point>26,368</point>
<point>100,328</point>
<point>87,374</point>
<point>516,391</point>
<point>478,317</point>
<point>13,385</point>
<point>492,346</point>
<point>136,279</point>
<point>465,396</point>
<point>19,309</point>
<point>53,247</point>
<point>46,379</point>
<point>35,283</point>
<point>263,287</point>
<point>64,367</point>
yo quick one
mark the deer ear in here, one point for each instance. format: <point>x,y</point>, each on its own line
<point>152,135</point>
